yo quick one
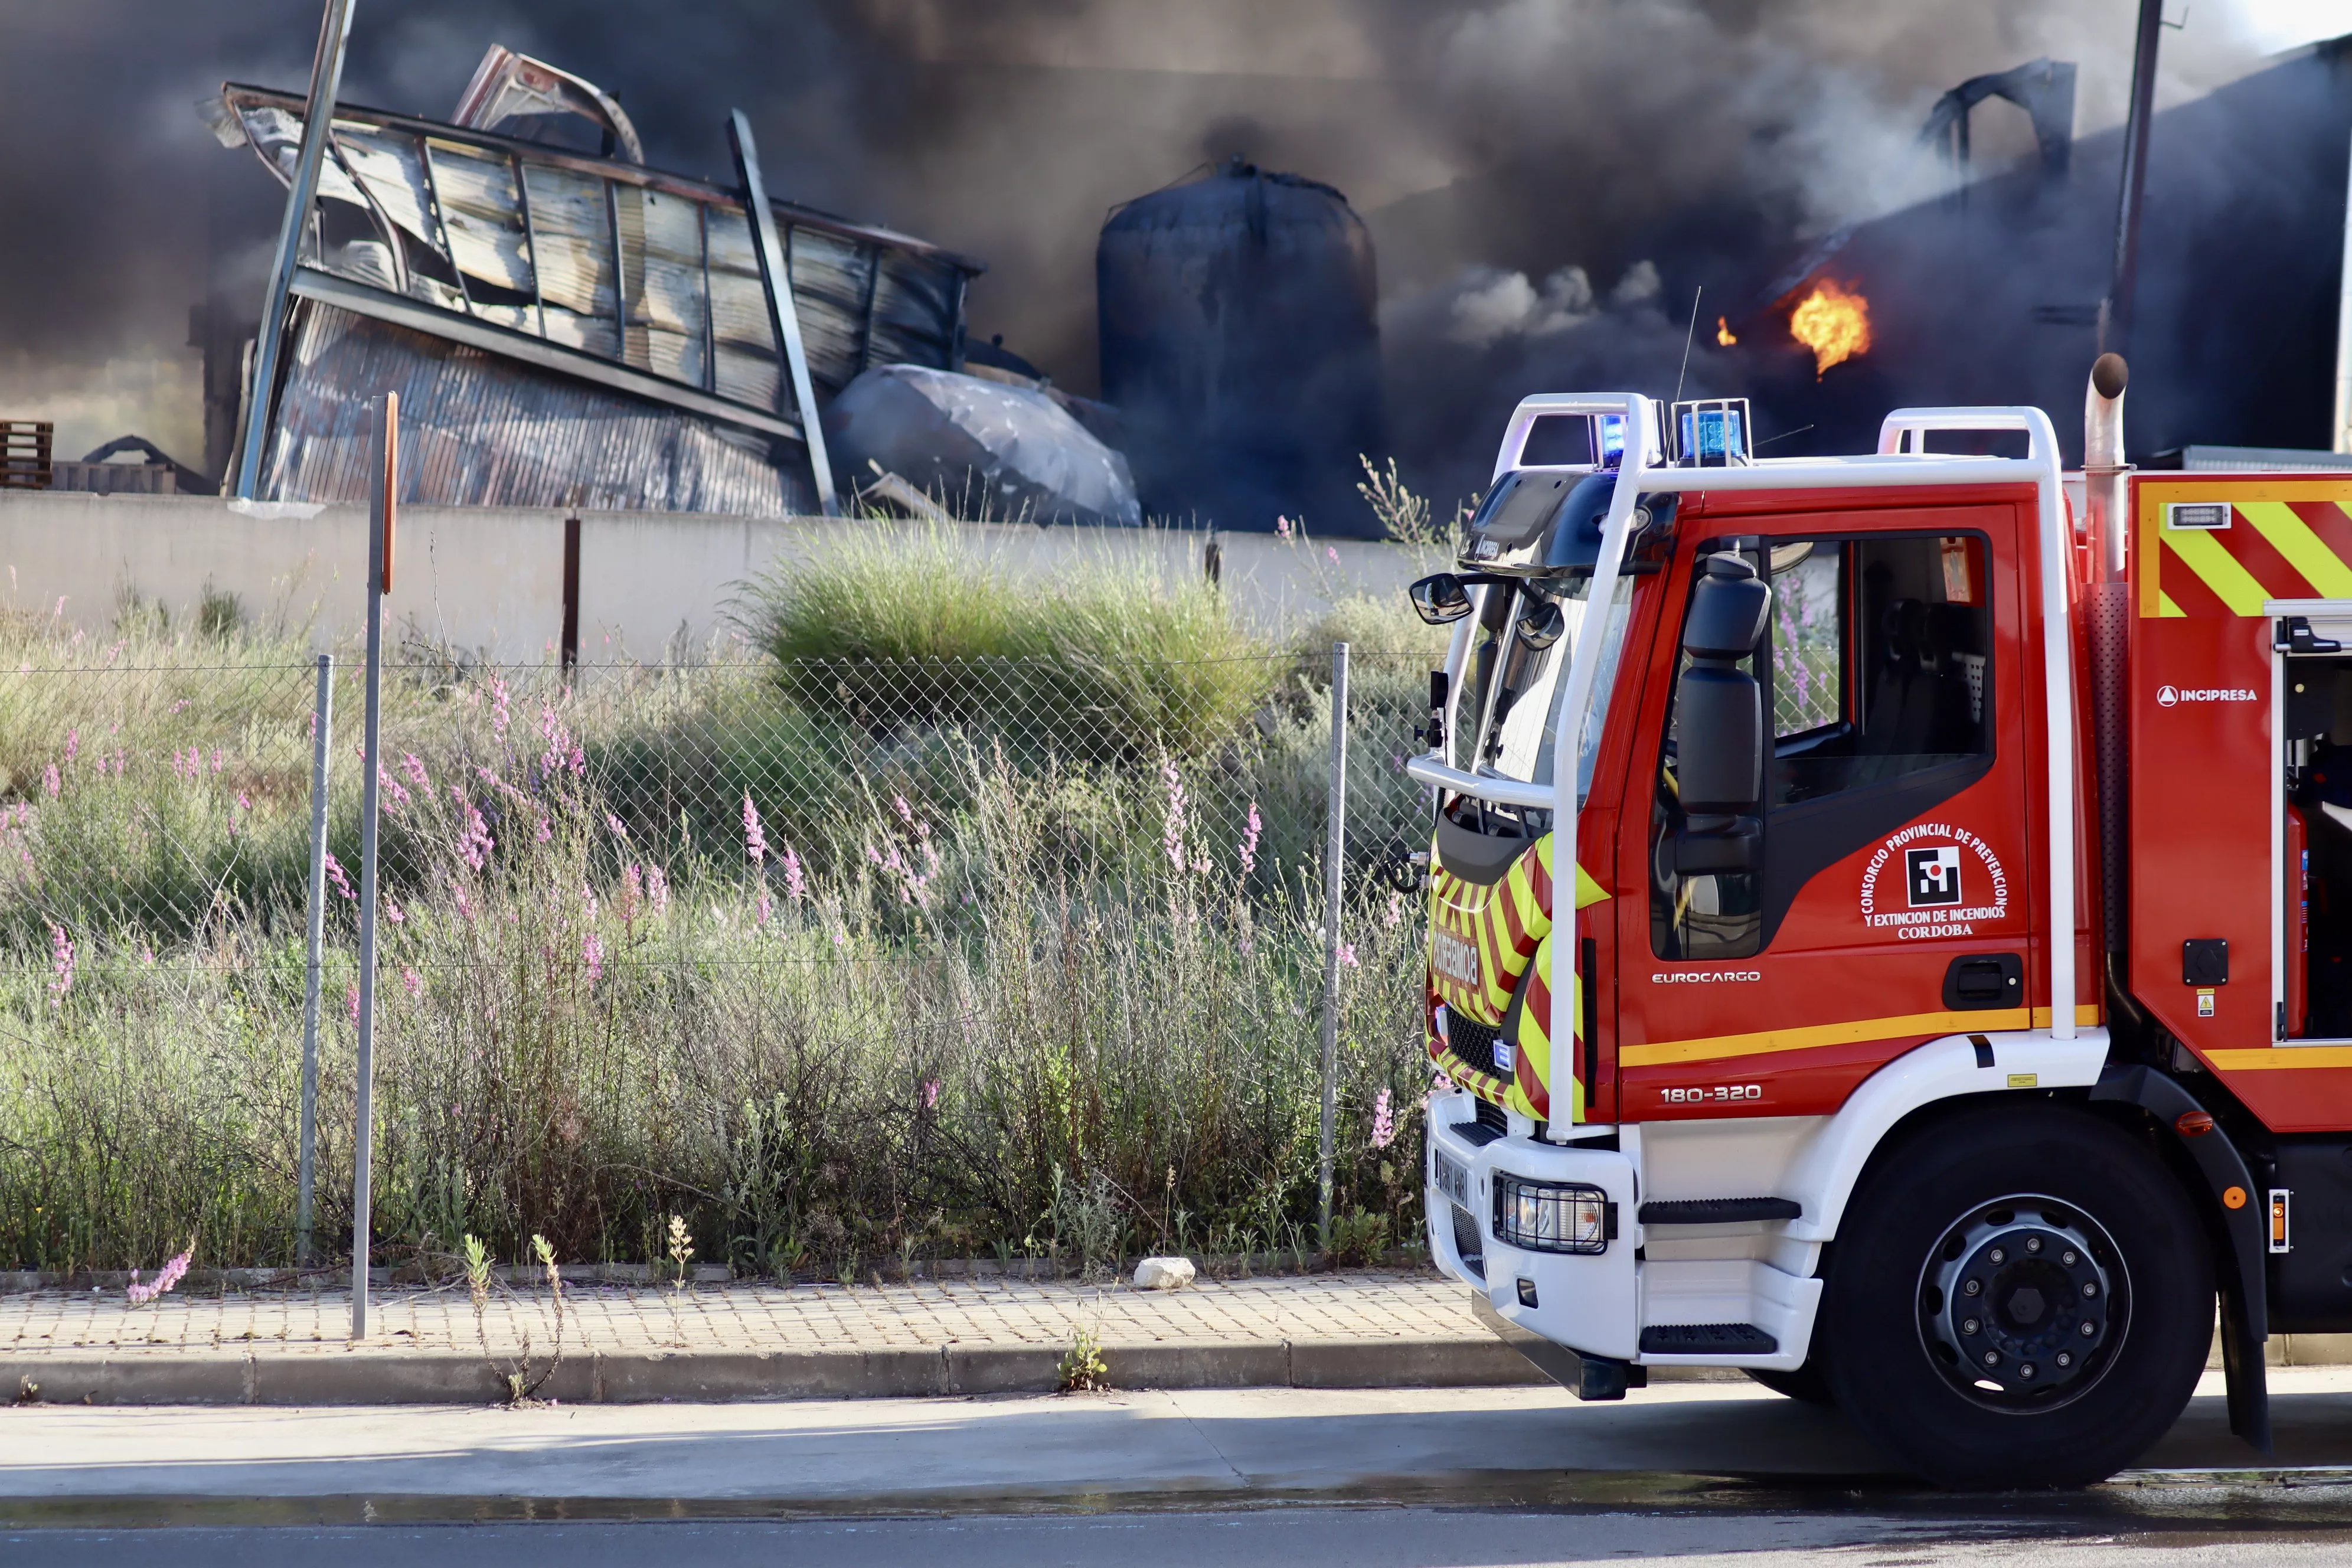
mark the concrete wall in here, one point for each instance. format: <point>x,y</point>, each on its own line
<point>491,581</point>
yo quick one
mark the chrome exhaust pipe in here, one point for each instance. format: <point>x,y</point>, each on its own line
<point>2103,467</point>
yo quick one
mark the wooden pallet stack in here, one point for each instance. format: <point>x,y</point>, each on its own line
<point>25,448</point>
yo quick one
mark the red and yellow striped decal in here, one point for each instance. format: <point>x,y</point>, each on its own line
<point>1508,925</point>
<point>2289,539</point>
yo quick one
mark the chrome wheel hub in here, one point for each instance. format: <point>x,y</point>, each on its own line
<point>2022,1302</point>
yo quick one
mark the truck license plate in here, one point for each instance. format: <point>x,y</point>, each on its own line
<point>1452,1179</point>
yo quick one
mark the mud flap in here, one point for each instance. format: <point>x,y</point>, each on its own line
<point>2245,1322</point>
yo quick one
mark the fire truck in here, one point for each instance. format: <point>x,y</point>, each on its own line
<point>1954,1023</point>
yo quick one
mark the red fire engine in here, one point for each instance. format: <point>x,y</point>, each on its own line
<point>1817,1085</point>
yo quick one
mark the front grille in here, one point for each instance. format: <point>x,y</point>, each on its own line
<point>1473,1042</point>
<point>1493,1116</point>
<point>1468,1242</point>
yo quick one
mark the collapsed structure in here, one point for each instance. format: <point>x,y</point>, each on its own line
<point>565,327</point>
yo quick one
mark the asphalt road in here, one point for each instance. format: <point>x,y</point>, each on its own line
<point>1690,1472</point>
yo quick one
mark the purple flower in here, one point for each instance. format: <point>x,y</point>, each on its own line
<point>795,884</point>
<point>615,823</point>
<point>930,1093</point>
<point>755,842</point>
<point>546,834</point>
<point>335,875</point>
<point>171,1274</point>
<point>497,707</point>
<point>1383,1121</point>
<point>1282,528</point>
<point>392,910</point>
<point>414,981</point>
<point>1249,840</point>
<point>414,770</point>
<point>1333,553</point>
<point>61,965</point>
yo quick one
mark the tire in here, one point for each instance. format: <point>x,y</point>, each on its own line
<point>2097,1293</point>
<point>1809,1383</point>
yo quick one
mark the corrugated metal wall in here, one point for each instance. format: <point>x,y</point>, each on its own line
<point>477,429</point>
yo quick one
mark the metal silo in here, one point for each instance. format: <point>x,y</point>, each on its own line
<point>1239,344</point>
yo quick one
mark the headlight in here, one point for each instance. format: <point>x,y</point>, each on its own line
<point>1552,1216</point>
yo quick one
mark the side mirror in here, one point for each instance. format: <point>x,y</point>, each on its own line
<point>1719,708</point>
<point>1440,600</point>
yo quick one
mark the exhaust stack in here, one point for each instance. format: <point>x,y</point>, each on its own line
<point>2106,492</point>
<point>2103,467</point>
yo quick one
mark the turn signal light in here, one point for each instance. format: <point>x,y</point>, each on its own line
<point>1552,1216</point>
<point>2193,1124</point>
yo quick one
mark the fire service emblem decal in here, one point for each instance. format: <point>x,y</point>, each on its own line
<point>1932,880</point>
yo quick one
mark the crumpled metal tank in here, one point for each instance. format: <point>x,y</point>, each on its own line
<point>981,450</point>
<point>1240,346</point>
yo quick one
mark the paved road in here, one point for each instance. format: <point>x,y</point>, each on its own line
<point>1291,1538</point>
<point>1463,1475</point>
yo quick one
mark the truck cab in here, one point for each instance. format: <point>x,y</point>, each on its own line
<point>1879,1056</point>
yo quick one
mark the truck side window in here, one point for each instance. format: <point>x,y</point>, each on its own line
<point>1881,649</point>
<point>1876,668</point>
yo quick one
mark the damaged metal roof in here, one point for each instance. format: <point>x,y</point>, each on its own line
<point>641,283</point>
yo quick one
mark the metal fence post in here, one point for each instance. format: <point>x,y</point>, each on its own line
<point>322,718</point>
<point>384,466</point>
<point>1332,879</point>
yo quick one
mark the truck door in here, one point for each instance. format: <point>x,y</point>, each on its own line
<point>1887,900</point>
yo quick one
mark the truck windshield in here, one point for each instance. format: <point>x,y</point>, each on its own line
<point>1527,632</point>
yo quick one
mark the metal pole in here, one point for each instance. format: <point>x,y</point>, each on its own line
<point>1333,851</point>
<point>2116,313</point>
<point>2341,432</point>
<point>784,315</point>
<point>322,720</point>
<point>317,121</point>
<point>384,465</point>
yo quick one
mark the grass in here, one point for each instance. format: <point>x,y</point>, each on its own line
<point>1000,980</point>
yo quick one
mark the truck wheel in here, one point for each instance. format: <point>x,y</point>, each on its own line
<point>1808,1382</point>
<point>2021,1297</point>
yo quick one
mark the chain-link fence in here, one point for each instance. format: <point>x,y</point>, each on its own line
<point>843,963</point>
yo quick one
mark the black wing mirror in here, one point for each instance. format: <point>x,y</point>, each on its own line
<point>1440,600</point>
<point>1719,718</point>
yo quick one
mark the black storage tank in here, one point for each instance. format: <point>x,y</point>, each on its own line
<point>1239,344</point>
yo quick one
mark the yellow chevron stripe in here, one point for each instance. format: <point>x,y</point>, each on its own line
<point>2231,582</point>
<point>2305,550</point>
<point>2281,1056</point>
<point>2167,610</point>
<point>1852,1032</point>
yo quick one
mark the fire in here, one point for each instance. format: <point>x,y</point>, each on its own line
<point>1835,322</point>
<point>1723,332</point>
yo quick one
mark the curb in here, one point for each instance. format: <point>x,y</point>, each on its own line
<point>426,1377</point>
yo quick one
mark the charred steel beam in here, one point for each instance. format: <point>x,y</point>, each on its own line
<point>360,300</point>
<point>326,80</point>
<point>784,316</point>
<point>2115,326</point>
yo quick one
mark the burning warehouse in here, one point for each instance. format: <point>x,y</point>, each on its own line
<point>567,329</point>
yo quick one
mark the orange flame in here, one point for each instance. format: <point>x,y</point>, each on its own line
<point>1835,322</point>
<point>1723,332</point>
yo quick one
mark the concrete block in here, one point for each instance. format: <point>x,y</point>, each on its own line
<point>1002,1369</point>
<point>1244,1363</point>
<point>399,1377</point>
<point>1408,1363</point>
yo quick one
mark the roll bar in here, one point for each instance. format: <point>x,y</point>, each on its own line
<point>1902,460</point>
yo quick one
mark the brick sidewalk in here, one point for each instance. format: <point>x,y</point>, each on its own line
<point>981,1313</point>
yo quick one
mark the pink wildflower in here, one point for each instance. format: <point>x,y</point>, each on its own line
<point>49,780</point>
<point>795,883</point>
<point>414,770</point>
<point>171,1274</point>
<point>352,1000</point>
<point>546,834</point>
<point>1282,528</point>
<point>414,981</point>
<point>931,1092</point>
<point>335,875</point>
<point>591,954</point>
<point>497,707</point>
<point>1383,1121</point>
<point>1171,833</point>
<point>61,965</point>
<point>619,829</point>
<point>755,842</point>
<point>1333,553</point>
<point>765,907</point>
<point>73,742</point>
<point>1254,828</point>
<point>632,894</point>
<point>1346,955</point>
<point>476,842</point>
<point>465,905</point>
<point>1395,910</point>
<point>392,910</point>
<point>216,759</point>
<point>658,890</point>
